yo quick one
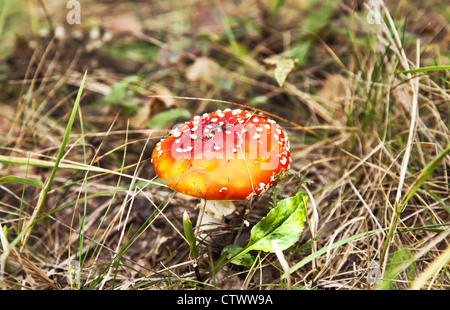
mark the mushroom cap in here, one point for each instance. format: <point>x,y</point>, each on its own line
<point>223,155</point>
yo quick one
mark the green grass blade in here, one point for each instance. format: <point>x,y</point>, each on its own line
<point>411,192</point>
<point>24,181</point>
<point>323,250</point>
<point>13,160</point>
<point>190,236</point>
<point>425,69</point>
<point>439,263</point>
<point>65,139</point>
<point>31,222</point>
<point>423,176</point>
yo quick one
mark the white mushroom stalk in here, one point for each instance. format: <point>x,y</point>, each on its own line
<point>222,157</point>
<point>212,215</point>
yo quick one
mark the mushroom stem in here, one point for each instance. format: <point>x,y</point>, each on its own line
<point>212,214</point>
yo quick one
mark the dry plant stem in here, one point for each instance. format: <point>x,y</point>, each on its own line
<point>72,165</point>
<point>414,114</point>
<point>125,201</point>
<point>83,184</point>
<point>432,270</point>
<point>244,107</point>
<point>369,211</point>
<point>5,246</point>
<point>29,224</point>
<point>413,109</point>
<point>314,222</point>
<point>283,262</point>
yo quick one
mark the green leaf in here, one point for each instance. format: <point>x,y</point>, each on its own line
<point>401,258</point>
<point>232,252</point>
<point>162,118</point>
<point>189,233</point>
<point>123,95</point>
<point>24,181</point>
<point>283,68</point>
<point>283,223</point>
<point>274,7</point>
<point>315,21</point>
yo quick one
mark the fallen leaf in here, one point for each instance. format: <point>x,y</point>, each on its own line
<point>203,70</point>
<point>281,67</point>
<point>153,106</point>
<point>208,19</point>
<point>124,24</point>
<point>334,92</point>
<point>6,119</point>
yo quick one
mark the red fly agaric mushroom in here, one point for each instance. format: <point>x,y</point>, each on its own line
<point>222,156</point>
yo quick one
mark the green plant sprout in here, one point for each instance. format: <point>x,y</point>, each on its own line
<point>283,224</point>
